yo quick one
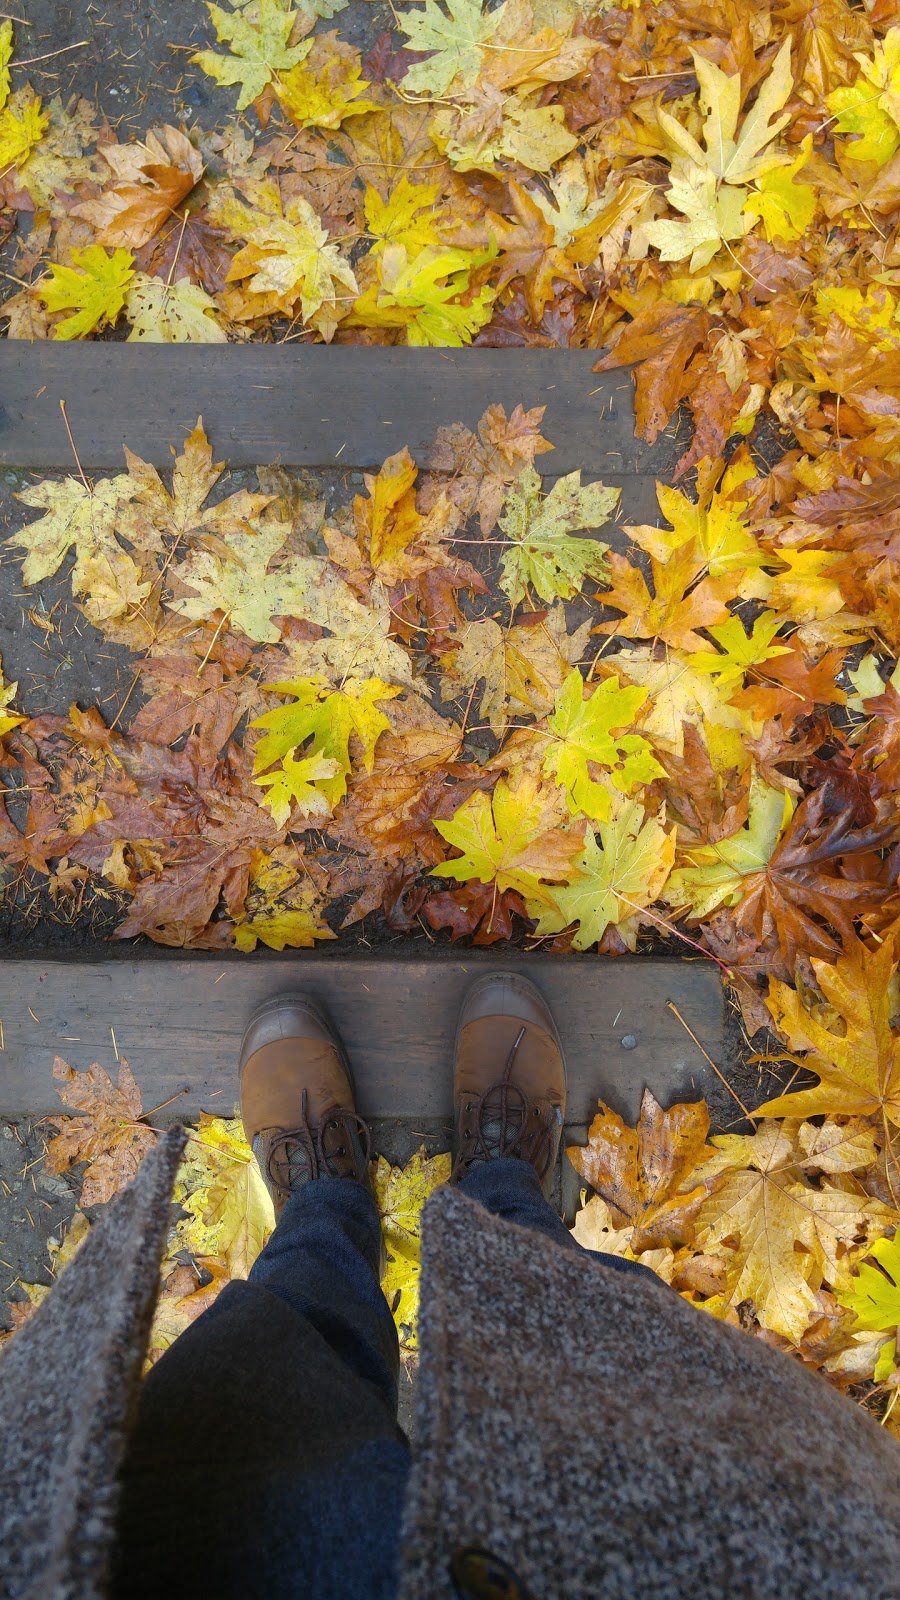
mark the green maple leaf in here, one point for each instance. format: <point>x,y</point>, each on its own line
<point>876,1299</point>
<point>257,52</point>
<point>583,730</point>
<point>509,839</point>
<point>620,874</point>
<point>329,717</point>
<point>455,36</point>
<point>544,552</point>
<point>740,650</point>
<point>94,283</point>
<point>424,295</point>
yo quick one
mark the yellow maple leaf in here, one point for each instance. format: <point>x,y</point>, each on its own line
<point>388,520</point>
<point>874,312</point>
<point>6,48</point>
<point>513,840</point>
<point>717,527</point>
<point>678,695</point>
<point>288,265</point>
<point>329,718</point>
<point>408,216</point>
<point>22,125</point>
<point>219,1184</point>
<point>87,518</point>
<point>327,88</point>
<point>807,591</point>
<point>790,1235</point>
<point>400,1194</point>
<point>172,313</point>
<point>707,183</point>
<point>283,906</point>
<point>94,282</point>
<point>785,207</point>
<point>858,1067</point>
<point>870,108</point>
<point>8,719</point>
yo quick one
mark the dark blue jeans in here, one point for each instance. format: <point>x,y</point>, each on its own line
<point>267,1458</point>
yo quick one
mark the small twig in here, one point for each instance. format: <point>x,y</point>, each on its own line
<point>212,642</point>
<point>29,61</point>
<point>720,1075</point>
<point>62,407</point>
<point>177,250</point>
<point>153,1109</point>
<point>134,683</point>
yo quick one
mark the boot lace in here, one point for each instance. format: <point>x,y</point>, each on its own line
<point>506,1123</point>
<point>314,1150</point>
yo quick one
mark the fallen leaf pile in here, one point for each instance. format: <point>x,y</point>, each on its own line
<point>466,703</point>
<point>787,1231</point>
<point>711,195</point>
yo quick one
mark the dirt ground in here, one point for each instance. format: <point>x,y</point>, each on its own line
<point>133,61</point>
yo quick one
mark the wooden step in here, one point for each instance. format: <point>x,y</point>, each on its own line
<point>179,1022</point>
<point>304,405</point>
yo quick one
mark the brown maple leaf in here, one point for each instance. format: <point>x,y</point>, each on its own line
<point>528,251</point>
<point>789,686</point>
<point>806,891</point>
<point>675,610</point>
<point>477,910</point>
<point>148,182</point>
<point>189,696</point>
<point>659,343</point>
<point>479,469</point>
<point>706,804</point>
<point>644,1173</point>
<point>109,1134</point>
<point>192,246</point>
<point>511,325</point>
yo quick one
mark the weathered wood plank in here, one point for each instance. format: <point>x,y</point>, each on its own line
<point>179,1023</point>
<point>302,405</point>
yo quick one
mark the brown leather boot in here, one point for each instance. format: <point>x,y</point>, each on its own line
<point>297,1098</point>
<point>509,1078</point>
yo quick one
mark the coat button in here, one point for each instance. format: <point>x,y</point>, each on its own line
<point>477,1574</point>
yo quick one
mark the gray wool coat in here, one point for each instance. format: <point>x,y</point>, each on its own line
<point>587,1426</point>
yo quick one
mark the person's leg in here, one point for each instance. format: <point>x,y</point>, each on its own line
<point>266,1457</point>
<point>511,1189</point>
<point>509,1105</point>
<point>324,1261</point>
